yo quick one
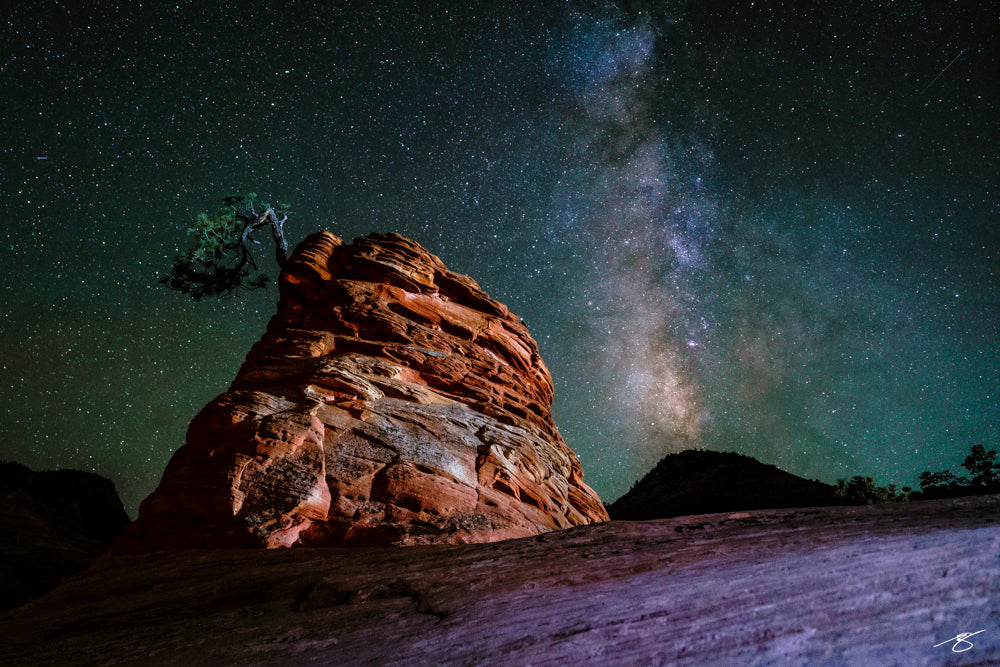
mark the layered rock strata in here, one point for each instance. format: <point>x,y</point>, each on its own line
<point>391,401</point>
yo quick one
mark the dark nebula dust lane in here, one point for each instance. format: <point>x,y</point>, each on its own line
<point>770,229</point>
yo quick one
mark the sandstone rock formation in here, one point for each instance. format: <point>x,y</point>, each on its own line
<point>390,401</point>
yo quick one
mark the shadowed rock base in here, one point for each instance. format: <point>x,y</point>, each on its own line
<point>829,586</point>
<point>54,524</point>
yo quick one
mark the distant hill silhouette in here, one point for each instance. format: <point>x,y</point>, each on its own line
<point>703,482</point>
<point>54,524</point>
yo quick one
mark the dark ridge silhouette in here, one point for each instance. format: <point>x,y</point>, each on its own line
<point>55,523</point>
<point>704,482</point>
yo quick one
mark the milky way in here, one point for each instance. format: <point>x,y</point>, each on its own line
<point>651,219</point>
<point>764,228</point>
<point>777,323</point>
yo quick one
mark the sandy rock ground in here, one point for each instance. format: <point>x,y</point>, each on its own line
<point>815,586</point>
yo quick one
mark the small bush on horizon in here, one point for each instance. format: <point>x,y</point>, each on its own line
<point>864,491</point>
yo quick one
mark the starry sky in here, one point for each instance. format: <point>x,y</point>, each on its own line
<point>763,227</point>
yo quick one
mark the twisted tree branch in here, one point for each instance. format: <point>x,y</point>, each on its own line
<point>209,266</point>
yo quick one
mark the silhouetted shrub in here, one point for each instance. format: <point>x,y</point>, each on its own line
<point>985,477</point>
<point>985,470</point>
<point>863,491</point>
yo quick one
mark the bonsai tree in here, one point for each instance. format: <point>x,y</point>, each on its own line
<point>218,260</point>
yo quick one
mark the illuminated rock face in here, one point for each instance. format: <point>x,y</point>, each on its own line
<point>390,401</point>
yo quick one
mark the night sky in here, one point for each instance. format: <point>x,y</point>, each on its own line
<point>770,228</point>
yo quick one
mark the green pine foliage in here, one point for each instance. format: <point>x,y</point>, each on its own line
<point>217,260</point>
<point>212,238</point>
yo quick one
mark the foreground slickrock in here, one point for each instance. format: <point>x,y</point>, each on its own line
<point>390,401</point>
<point>819,586</point>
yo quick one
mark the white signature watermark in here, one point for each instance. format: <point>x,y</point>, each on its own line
<point>961,640</point>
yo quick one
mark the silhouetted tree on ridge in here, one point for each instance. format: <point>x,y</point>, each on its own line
<point>983,468</point>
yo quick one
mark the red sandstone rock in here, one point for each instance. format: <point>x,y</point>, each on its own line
<point>390,401</point>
